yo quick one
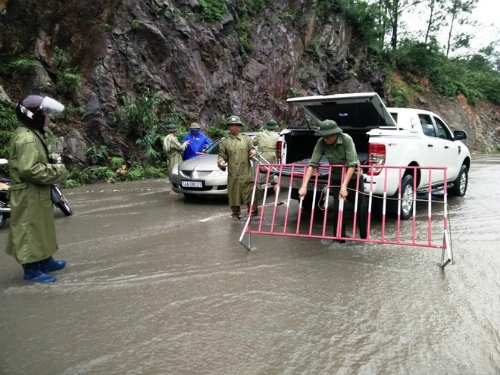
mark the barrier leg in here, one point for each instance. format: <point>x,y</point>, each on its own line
<point>447,250</point>
<point>249,246</point>
<point>250,210</point>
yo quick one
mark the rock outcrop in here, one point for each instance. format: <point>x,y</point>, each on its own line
<point>245,63</point>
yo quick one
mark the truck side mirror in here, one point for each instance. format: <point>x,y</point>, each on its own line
<point>458,135</point>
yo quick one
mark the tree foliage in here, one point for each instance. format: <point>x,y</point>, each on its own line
<point>473,77</point>
<point>458,11</point>
<point>8,122</point>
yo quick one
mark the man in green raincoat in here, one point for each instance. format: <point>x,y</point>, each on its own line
<point>173,148</point>
<point>32,233</point>
<point>235,152</point>
<point>266,147</point>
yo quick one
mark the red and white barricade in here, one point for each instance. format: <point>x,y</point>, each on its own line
<point>416,219</point>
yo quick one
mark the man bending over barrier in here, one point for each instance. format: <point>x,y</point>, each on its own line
<point>339,149</point>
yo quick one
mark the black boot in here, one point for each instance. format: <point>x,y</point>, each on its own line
<point>342,233</point>
<point>236,213</point>
<point>32,272</point>
<point>253,211</point>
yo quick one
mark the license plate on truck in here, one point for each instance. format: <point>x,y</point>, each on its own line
<point>192,184</point>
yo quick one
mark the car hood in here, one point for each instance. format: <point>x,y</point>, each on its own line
<point>200,163</point>
<point>350,111</point>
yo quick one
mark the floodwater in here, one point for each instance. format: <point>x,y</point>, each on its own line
<point>157,285</point>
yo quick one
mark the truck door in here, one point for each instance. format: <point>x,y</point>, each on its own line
<point>447,149</point>
<point>433,148</point>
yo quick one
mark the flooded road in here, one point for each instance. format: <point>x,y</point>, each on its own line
<point>157,285</point>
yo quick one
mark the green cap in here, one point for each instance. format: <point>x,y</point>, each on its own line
<point>234,120</point>
<point>327,127</point>
<point>194,126</point>
<point>272,124</point>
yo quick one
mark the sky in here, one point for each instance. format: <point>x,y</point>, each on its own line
<point>485,14</point>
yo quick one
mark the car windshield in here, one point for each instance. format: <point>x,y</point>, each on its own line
<point>214,147</point>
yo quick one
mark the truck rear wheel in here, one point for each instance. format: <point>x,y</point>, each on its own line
<point>406,203</point>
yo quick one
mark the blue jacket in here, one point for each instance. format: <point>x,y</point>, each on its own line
<point>199,143</point>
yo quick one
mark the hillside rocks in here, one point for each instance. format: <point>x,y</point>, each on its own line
<point>203,70</point>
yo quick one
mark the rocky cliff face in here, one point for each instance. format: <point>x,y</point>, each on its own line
<point>203,70</point>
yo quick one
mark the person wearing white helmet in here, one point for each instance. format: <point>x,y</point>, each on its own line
<point>32,234</point>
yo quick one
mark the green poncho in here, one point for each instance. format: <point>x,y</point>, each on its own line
<point>32,233</point>
<point>266,142</point>
<point>235,150</point>
<point>173,149</point>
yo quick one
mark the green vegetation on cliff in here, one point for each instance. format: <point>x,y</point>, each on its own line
<point>219,51</point>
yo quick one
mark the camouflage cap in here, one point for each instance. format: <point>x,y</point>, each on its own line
<point>194,126</point>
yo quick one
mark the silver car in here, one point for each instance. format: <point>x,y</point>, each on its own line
<point>201,175</point>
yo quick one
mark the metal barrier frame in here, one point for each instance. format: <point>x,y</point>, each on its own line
<point>298,170</point>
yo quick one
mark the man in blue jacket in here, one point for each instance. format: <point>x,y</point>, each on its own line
<point>198,142</point>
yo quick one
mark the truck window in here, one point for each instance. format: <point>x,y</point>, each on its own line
<point>443,131</point>
<point>394,116</point>
<point>427,127</point>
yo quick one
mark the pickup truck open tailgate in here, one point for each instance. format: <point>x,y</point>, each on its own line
<point>350,111</point>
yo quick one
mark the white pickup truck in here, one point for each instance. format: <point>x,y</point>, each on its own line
<point>384,137</point>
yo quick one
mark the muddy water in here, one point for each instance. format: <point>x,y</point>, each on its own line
<point>157,285</point>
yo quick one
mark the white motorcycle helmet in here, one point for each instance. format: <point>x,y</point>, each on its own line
<point>32,110</point>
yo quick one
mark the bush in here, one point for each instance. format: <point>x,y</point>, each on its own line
<point>212,10</point>
<point>140,172</point>
<point>216,132</point>
<point>96,154</point>
<point>116,162</point>
<point>8,122</point>
<point>69,81</point>
<point>75,178</point>
<point>419,58</point>
<point>23,64</point>
<point>101,173</point>
<point>400,95</point>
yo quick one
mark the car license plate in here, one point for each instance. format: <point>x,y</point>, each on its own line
<point>192,184</point>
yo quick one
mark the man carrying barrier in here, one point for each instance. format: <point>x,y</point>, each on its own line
<point>419,231</point>
<point>339,149</point>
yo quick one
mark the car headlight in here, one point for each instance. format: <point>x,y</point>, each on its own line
<point>176,169</point>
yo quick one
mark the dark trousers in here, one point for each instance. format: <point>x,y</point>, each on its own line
<point>362,211</point>
<point>236,210</point>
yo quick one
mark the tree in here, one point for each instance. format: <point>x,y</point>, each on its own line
<point>382,20</point>
<point>436,17</point>
<point>395,9</point>
<point>458,11</point>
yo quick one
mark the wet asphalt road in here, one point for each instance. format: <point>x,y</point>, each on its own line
<point>157,285</point>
